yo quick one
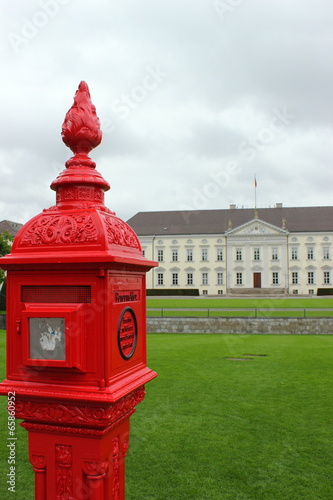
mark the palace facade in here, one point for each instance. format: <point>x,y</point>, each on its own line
<point>280,250</point>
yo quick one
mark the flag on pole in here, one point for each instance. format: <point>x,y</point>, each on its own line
<point>255,181</point>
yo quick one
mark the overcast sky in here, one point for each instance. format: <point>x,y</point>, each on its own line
<point>195,97</point>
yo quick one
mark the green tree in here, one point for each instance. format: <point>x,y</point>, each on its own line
<point>5,245</point>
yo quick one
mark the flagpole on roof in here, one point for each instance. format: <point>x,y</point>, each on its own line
<point>255,191</point>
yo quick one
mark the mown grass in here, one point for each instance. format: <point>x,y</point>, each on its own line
<point>217,429</point>
<point>285,303</point>
<point>211,428</point>
<point>240,307</point>
<point>24,474</point>
<point>254,313</point>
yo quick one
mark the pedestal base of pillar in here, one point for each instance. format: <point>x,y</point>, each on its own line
<point>78,464</point>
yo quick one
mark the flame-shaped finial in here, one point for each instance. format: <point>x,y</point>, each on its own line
<point>81,133</point>
<point>81,128</point>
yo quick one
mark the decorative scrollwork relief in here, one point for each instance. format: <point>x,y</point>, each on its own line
<point>80,194</point>
<point>93,468</point>
<point>38,461</point>
<point>64,473</point>
<point>119,233</point>
<point>64,454</point>
<point>115,468</point>
<point>69,429</point>
<point>60,229</point>
<point>125,443</point>
<point>100,416</point>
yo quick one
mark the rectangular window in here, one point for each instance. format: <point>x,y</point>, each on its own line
<point>219,254</point>
<point>219,292</point>
<point>310,253</point>
<point>275,254</point>
<point>275,278</point>
<point>143,253</point>
<point>204,292</point>
<point>295,292</point>
<point>174,255</point>
<point>294,253</point>
<point>326,251</point>
<point>256,254</point>
<point>311,292</point>
<point>204,254</point>
<point>189,254</point>
<point>220,278</point>
<point>239,278</point>
<point>175,278</point>
<point>160,255</point>
<point>238,254</point>
<point>310,278</point>
<point>190,278</point>
<point>327,278</point>
<point>160,278</point>
<point>294,278</point>
<point>205,278</point>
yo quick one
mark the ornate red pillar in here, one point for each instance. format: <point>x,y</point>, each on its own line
<point>76,355</point>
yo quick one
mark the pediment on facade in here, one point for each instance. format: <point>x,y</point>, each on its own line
<point>239,268</point>
<point>310,268</point>
<point>257,269</point>
<point>257,227</point>
<point>219,269</point>
<point>275,268</point>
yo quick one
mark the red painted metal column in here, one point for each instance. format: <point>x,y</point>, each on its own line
<point>95,479</point>
<point>39,465</point>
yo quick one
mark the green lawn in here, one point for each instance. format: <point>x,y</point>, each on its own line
<point>247,313</point>
<point>218,429</point>
<point>240,307</point>
<point>266,303</point>
<point>24,473</point>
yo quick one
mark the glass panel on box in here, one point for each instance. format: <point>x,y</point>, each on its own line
<point>47,338</point>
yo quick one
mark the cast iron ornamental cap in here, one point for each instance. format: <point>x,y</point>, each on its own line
<point>79,228</point>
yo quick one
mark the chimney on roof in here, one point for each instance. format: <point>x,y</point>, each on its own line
<point>278,205</point>
<point>232,206</point>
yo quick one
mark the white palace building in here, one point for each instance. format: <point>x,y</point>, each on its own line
<point>267,250</point>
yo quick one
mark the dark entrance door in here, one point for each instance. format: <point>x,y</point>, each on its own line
<point>256,280</point>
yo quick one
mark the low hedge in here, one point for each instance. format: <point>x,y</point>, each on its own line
<point>324,291</point>
<point>171,291</point>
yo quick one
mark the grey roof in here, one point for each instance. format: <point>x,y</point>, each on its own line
<point>297,219</point>
<point>9,226</point>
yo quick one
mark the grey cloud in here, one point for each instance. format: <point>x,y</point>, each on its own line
<point>225,79</point>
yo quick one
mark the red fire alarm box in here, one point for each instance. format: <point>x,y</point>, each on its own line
<point>76,327</point>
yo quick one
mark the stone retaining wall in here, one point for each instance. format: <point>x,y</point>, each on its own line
<point>291,326</point>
